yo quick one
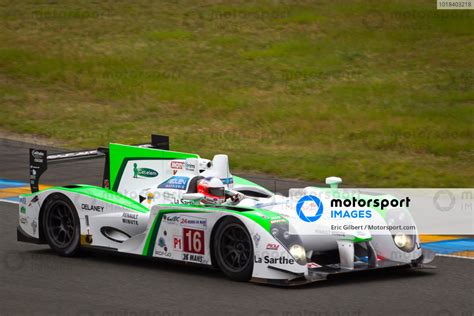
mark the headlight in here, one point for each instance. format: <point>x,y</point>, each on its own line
<point>404,242</point>
<point>298,252</point>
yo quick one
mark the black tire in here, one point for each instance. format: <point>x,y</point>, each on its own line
<point>61,226</point>
<point>233,250</point>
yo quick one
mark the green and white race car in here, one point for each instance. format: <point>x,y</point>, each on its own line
<point>149,205</point>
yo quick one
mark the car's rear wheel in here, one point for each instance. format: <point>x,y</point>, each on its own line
<point>61,226</point>
<point>233,250</point>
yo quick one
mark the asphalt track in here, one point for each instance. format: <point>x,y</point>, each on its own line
<point>34,281</point>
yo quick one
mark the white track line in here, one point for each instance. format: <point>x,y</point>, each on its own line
<point>9,201</point>
<point>453,256</point>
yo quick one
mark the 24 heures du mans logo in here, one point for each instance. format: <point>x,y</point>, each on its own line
<point>143,172</point>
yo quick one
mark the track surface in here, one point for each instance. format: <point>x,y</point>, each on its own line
<point>33,280</point>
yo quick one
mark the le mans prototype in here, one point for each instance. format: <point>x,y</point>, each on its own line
<point>172,205</point>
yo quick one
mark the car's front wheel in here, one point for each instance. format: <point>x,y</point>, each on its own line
<point>233,250</point>
<point>61,225</point>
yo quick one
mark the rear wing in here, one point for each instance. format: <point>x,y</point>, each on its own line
<point>39,159</point>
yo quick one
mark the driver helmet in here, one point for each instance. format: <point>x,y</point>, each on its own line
<point>213,190</point>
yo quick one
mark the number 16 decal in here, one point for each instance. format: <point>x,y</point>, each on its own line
<point>193,241</point>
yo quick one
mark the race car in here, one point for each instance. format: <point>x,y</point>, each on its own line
<point>160,203</point>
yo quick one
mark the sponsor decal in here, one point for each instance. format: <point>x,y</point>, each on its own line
<point>90,207</point>
<point>149,197</point>
<point>193,241</point>
<point>34,225</point>
<point>271,260</point>
<point>171,219</point>
<point>23,220</point>
<point>130,218</point>
<point>272,218</point>
<point>74,154</point>
<point>256,239</point>
<point>193,221</point>
<point>163,253</point>
<point>162,243</point>
<point>273,246</point>
<point>34,200</point>
<point>194,258</point>
<point>169,196</point>
<point>184,202</point>
<point>187,221</point>
<point>32,175</point>
<point>143,172</point>
<point>227,181</point>
<point>278,221</point>
<point>38,156</point>
<point>189,166</point>
<point>23,210</point>
<point>177,165</point>
<point>177,243</point>
<point>176,182</point>
<point>261,215</point>
<point>22,200</point>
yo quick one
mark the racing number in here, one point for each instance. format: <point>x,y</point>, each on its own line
<point>193,241</point>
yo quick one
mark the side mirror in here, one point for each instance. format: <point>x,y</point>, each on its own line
<point>192,196</point>
<point>333,181</point>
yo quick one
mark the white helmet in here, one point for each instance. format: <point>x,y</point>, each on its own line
<point>213,190</point>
